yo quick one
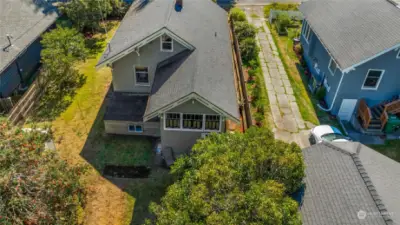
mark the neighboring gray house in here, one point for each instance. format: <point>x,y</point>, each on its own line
<point>173,74</point>
<point>22,22</point>
<point>352,47</point>
<point>349,183</point>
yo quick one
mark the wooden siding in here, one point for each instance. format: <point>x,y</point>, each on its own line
<point>121,127</point>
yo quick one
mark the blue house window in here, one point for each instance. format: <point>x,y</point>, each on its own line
<point>135,128</point>
<point>373,79</point>
<point>332,67</point>
<point>306,31</point>
<point>398,55</point>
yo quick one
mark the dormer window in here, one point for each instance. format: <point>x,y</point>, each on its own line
<point>167,44</point>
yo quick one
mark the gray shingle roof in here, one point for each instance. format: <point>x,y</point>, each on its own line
<point>125,107</point>
<point>340,183</point>
<point>354,30</point>
<point>206,71</point>
<point>25,21</point>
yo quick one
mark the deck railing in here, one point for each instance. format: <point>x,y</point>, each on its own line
<point>364,113</point>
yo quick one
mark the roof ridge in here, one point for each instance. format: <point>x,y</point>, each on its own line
<point>367,181</point>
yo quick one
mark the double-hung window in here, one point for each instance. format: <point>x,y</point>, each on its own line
<point>373,79</point>
<point>142,75</point>
<point>332,66</point>
<point>167,44</point>
<point>212,122</point>
<point>306,31</point>
<point>173,120</point>
<point>192,121</point>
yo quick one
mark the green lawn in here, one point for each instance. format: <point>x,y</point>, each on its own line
<point>390,149</point>
<point>79,135</point>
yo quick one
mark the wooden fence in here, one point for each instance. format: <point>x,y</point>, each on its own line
<point>242,87</point>
<point>27,101</point>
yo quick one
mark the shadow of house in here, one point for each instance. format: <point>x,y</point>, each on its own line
<point>100,150</point>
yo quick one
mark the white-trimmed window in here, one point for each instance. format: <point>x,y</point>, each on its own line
<point>398,55</point>
<point>142,75</point>
<point>306,31</point>
<point>373,79</point>
<point>212,122</point>
<point>173,120</point>
<point>135,128</point>
<point>192,121</point>
<point>332,66</point>
<point>167,44</point>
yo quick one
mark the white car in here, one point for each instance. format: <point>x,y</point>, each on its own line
<point>327,133</point>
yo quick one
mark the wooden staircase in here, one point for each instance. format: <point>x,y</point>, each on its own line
<point>374,119</point>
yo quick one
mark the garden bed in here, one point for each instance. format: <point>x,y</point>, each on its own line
<point>127,171</point>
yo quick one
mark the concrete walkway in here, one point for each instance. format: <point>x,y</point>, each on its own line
<point>288,123</point>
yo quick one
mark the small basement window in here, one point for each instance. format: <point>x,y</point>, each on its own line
<point>173,120</point>
<point>167,44</point>
<point>192,121</point>
<point>135,128</point>
<point>142,75</point>
<point>212,122</point>
<point>332,67</point>
<point>373,79</point>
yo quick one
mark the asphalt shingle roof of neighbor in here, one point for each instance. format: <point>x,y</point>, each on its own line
<point>340,182</point>
<point>354,30</point>
<point>25,21</point>
<point>207,70</point>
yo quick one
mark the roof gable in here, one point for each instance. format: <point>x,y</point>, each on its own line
<point>354,31</point>
<point>343,179</point>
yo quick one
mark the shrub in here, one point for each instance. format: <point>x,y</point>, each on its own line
<point>36,186</point>
<point>245,30</point>
<point>321,93</point>
<point>238,15</point>
<point>248,50</point>
<point>280,6</point>
<point>282,22</point>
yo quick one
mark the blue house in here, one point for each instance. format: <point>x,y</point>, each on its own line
<point>352,48</point>
<point>21,24</point>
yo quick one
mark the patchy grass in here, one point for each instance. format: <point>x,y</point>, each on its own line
<point>296,77</point>
<point>391,149</point>
<point>79,136</point>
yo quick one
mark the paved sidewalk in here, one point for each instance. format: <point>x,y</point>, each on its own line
<point>288,122</point>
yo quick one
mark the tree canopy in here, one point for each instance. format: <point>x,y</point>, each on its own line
<point>234,179</point>
<point>36,186</point>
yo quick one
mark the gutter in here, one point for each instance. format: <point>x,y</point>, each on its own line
<point>334,98</point>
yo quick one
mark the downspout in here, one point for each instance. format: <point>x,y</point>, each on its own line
<point>334,98</point>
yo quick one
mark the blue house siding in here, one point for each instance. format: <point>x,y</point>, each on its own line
<point>388,87</point>
<point>28,62</point>
<point>316,54</point>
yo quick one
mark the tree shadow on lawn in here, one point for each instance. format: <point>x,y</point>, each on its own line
<point>100,150</point>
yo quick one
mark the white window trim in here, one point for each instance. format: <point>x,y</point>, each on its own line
<point>329,67</point>
<point>326,84</point>
<point>161,44</point>
<point>379,81</point>
<point>193,130</point>
<point>307,32</point>
<point>148,76</point>
<point>134,131</point>
<point>398,55</point>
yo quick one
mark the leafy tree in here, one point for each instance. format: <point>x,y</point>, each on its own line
<point>87,14</point>
<point>62,47</point>
<point>234,179</point>
<point>245,30</point>
<point>248,49</point>
<point>238,14</point>
<point>36,186</point>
